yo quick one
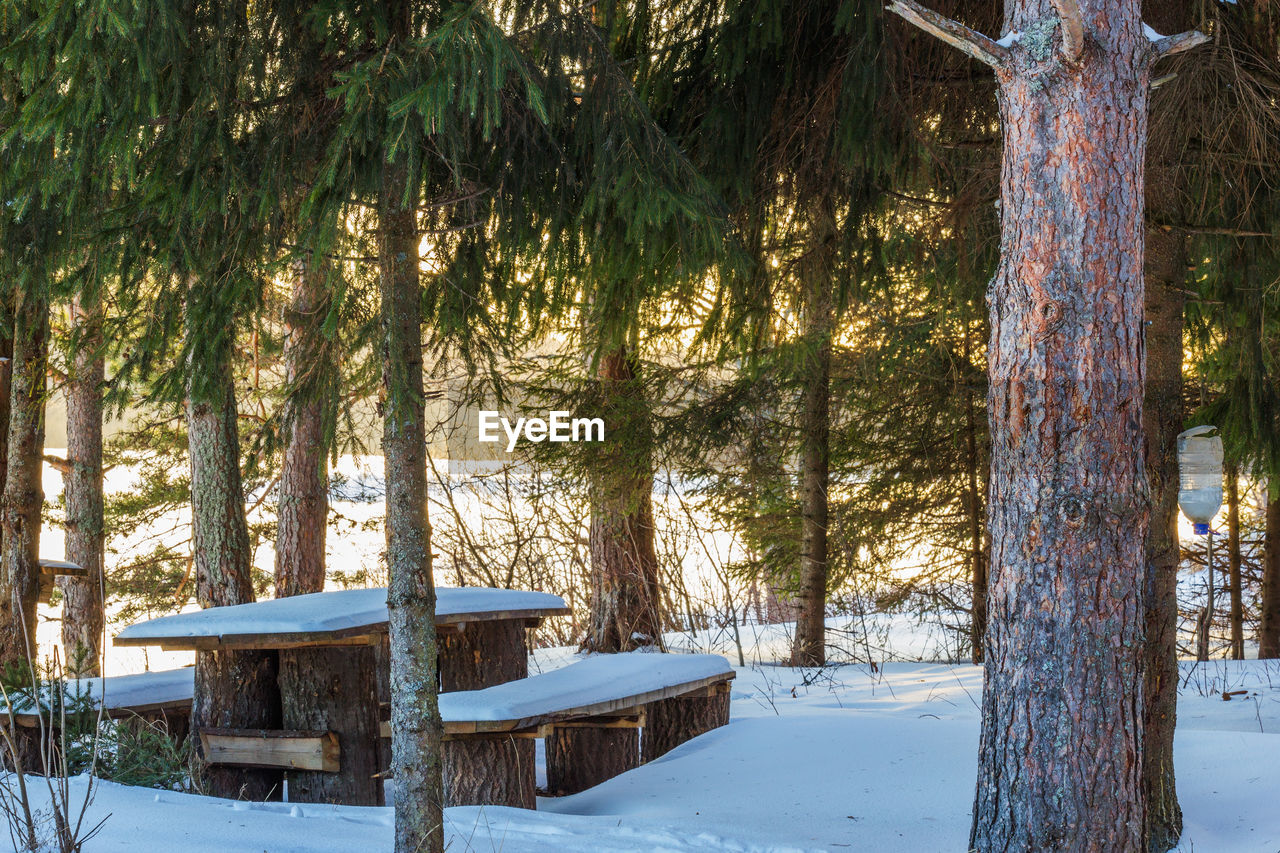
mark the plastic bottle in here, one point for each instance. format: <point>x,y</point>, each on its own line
<point>1200,476</point>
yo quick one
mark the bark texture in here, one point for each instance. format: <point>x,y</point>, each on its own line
<point>1269,628</point>
<point>304,480</point>
<point>809,646</point>
<point>6,372</point>
<point>582,757</point>
<point>23,491</point>
<point>1166,264</point>
<point>493,770</point>
<point>670,722</point>
<point>411,599</point>
<point>82,597</point>
<point>626,595</point>
<point>234,689</point>
<point>1060,756</point>
<point>482,655</point>
<point>977,464</point>
<point>335,690</point>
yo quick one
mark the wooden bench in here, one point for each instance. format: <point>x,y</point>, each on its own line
<point>601,716</point>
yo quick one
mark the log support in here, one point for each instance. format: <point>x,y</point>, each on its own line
<point>581,756</point>
<point>490,770</point>
<point>483,654</point>
<point>671,722</point>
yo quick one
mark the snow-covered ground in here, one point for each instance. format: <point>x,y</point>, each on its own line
<point>846,758</point>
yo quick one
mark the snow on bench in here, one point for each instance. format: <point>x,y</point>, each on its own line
<point>125,695</point>
<point>331,615</point>
<point>595,686</point>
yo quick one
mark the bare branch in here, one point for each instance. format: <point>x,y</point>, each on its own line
<point>1169,45</point>
<point>954,33</point>
<point>1072,28</point>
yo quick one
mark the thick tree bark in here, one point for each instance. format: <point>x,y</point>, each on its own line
<point>304,481</point>
<point>415,712</point>
<point>581,757</point>
<point>85,546</point>
<point>1166,264</point>
<point>23,488</point>
<point>626,594</point>
<point>492,770</point>
<point>1060,757</point>
<point>671,722</point>
<point>335,690</point>
<point>809,646</point>
<point>1269,627</point>
<point>234,689</point>
<point>482,655</point>
<point>1233,562</point>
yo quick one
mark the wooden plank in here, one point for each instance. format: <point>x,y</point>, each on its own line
<point>292,750</point>
<point>596,709</point>
<point>61,568</point>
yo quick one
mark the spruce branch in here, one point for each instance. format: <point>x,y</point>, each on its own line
<point>1169,45</point>
<point>954,33</point>
<point>1072,29</point>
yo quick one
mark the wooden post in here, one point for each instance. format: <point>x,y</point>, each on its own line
<point>483,654</point>
<point>671,722</point>
<point>490,770</point>
<point>334,689</point>
<point>582,756</point>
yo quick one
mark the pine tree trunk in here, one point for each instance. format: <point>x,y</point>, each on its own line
<point>1233,562</point>
<point>23,487</point>
<point>234,689</point>
<point>415,713</point>
<point>82,597</point>
<point>671,722</point>
<point>1060,757</point>
<point>304,482</point>
<point>975,507</point>
<point>581,757</point>
<point>482,655</point>
<point>493,770</point>
<point>6,372</point>
<point>626,594</point>
<point>1166,263</point>
<point>1269,626</point>
<point>809,647</point>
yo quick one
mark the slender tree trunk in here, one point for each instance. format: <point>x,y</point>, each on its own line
<point>809,646</point>
<point>626,594</point>
<point>1269,627</point>
<point>975,507</point>
<point>234,689</point>
<point>304,481</point>
<point>1233,562</point>
<point>1166,264</point>
<point>417,733</point>
<point>82,597</point>
<point>23,488</point>
<point>6,372</point>
<point>1060,756</point>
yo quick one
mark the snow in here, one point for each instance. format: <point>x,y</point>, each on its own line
<point>588,681</point>
<point>839,759</point>
<point>336,610</point>
<point>1151,34</point>
<point>163,687</point>
<point>1009,39</point>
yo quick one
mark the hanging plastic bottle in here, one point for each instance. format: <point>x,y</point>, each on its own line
<point>1200,476</point>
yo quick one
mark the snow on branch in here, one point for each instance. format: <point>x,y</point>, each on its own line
<point>954,33</point>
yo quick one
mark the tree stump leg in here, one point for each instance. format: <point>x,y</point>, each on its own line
<point>671,722</point>
<point>581,757</point>
<point>492,770</point>
<point>335,689</point>
<point>483,654</point>
<point>237,690</point>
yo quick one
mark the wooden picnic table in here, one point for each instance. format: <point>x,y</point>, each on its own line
<point>334,674</point>
<point>51,569</point>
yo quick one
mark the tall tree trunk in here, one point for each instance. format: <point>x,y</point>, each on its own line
<point>1269,626</point>
<point>626,593</point>
<point>6,372</point>
<point>234,689</point>
<point>417,732</point>
<point>23,487</point>
<point>304,481</point>
<point>82,597</point>
<point>1166,264</point>
<point>809,646</point>
<point>1060,756</point>
<point>1233,561</point>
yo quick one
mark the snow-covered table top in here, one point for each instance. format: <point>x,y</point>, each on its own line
<point>145,691</point>
<point>595,685</point>
<point>328,618</point>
